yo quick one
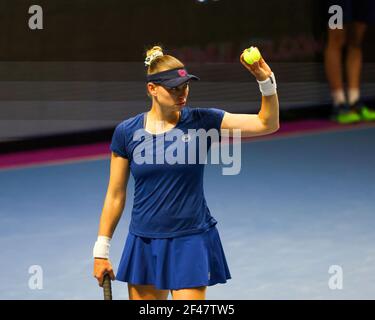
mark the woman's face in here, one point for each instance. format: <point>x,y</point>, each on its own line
<point>170,97</point>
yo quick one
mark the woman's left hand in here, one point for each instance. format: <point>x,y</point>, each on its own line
<point>260,70</point>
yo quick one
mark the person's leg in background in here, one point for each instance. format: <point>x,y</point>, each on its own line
<point>354,60</point>
<point>334,71</point>
<point>333,62</point>
<point>363,13</point>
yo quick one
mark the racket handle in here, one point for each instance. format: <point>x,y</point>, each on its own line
<point>107,288</point>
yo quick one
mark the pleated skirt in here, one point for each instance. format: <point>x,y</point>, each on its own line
<point>174,263</point>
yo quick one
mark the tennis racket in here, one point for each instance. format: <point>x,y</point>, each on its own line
<point>107,287</point>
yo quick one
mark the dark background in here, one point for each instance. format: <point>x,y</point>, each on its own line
<point>84,72</point>
<point>115,30</point>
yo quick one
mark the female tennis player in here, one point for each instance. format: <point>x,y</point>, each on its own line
<point>173,244</point>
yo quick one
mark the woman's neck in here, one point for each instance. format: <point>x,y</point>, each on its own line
<point>157,113</point>
<point>158,121</point>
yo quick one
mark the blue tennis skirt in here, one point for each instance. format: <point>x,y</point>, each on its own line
<point>174,263</point>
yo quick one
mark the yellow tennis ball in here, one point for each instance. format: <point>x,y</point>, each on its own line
<point>251,55</point>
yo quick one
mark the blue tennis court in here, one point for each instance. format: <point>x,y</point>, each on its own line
<point>300,205</point>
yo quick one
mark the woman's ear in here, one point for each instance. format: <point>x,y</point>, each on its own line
<point>151,90</point>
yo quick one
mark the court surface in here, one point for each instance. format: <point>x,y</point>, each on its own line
<point>300,205</point>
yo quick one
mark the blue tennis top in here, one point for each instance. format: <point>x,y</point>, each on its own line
<point>168,195</point>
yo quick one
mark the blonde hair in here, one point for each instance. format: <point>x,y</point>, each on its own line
<point>161,63</point>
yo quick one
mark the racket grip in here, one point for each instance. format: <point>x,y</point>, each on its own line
<point>107,288</point>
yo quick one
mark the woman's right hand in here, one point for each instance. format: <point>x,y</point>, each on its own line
<point>102,267</point>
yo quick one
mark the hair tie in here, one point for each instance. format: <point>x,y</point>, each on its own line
<point>152,57</point>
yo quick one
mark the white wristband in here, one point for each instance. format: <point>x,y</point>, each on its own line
<point>101,247</point>
<point>268,87</point>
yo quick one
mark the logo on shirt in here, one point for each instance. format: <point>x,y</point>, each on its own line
<point>180,147</point>
<point>186,137</point>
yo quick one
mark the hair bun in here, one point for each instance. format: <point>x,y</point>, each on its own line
<point>152,54</point>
